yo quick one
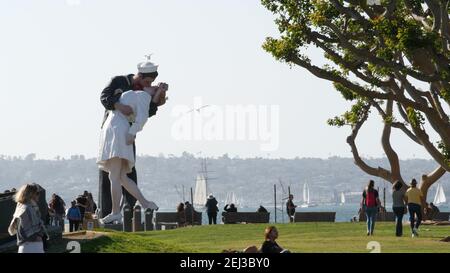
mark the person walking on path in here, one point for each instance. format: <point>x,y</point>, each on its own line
<point>370,204</point>
<point>414,198</point>
<point>398,206</point>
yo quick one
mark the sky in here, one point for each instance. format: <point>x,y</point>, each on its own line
<point>56,56</point>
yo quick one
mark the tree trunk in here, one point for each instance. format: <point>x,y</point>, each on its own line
<point>427,181</point>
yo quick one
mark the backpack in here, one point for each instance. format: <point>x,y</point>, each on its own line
<point>371,199</point>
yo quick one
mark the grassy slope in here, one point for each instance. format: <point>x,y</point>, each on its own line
<point>306,237</point>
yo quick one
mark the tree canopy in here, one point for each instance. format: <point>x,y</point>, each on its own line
<point>390,56</point>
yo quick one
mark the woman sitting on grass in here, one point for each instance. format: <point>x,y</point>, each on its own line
<point>270,245</point>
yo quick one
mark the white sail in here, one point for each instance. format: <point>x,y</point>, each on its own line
<point>306,193</point>
<point>200,194</point>
<point>227,199</point>
<point>342,198</point>
<point>439,197</point>
<point>305,196</point>
<point>442,195</point>
<point>232,199</point>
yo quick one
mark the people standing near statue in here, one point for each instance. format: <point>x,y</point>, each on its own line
<point>74,216</point>
<point>212,209</point>
<point>57,208</point>
<point>27,224</point>
<point>82,204</point>
<point>290,208</point>
<point>91,206</point>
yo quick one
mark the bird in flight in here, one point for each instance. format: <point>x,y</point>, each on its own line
<point>197,109</point>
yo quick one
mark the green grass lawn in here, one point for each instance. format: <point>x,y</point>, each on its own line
<point>301,237</point>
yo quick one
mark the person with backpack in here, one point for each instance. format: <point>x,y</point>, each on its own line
<point>81,203</point>
<point>57,207</point>
<point>74,216</point>
<point>370,204</point>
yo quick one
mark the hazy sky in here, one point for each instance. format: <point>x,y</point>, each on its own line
<point>57,55</point>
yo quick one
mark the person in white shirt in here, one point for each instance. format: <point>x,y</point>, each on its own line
<point>116,154</point>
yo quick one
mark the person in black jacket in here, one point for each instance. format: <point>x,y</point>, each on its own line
<point>270,245</point>
<point>110,100</point>
<point>290,208</point>
<point>212,209</point>
<point>230,208</point>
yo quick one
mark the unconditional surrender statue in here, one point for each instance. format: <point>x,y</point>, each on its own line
<point>129,101</point>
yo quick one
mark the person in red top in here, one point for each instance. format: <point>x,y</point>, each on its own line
<point>370,204</point>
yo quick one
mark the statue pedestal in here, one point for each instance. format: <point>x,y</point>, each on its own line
<point>117,227</point>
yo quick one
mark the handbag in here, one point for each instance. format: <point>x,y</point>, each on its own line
<point>45,243</point>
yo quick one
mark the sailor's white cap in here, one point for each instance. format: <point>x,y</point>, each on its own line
<point>147,66</point>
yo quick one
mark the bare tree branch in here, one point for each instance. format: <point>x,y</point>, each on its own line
<point>379,172</point>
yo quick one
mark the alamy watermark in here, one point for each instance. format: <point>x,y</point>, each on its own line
<point>228,123</point>
<point>374,246</point>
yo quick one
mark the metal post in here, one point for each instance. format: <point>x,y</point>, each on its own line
<point>275,200</point>
<point>148,219</point>
<point>137,219</point>
<point>192,213</point>
<point>127,215</point>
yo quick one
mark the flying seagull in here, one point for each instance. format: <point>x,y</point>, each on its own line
<point>197,109</point>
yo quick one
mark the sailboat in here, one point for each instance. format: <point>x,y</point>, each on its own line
<point>306,197</point>
<point>342,198</point>
<point>439,197</point>
<point>232,199</point>
<point>200,193</point>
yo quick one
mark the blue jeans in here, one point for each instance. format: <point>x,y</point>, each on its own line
<point>415,210</point>
<point>399,211</point>
<point>371,215</point>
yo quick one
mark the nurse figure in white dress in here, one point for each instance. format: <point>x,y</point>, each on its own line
<point>116,145</point>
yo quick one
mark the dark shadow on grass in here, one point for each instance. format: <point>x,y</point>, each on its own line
<point>96,245</point>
